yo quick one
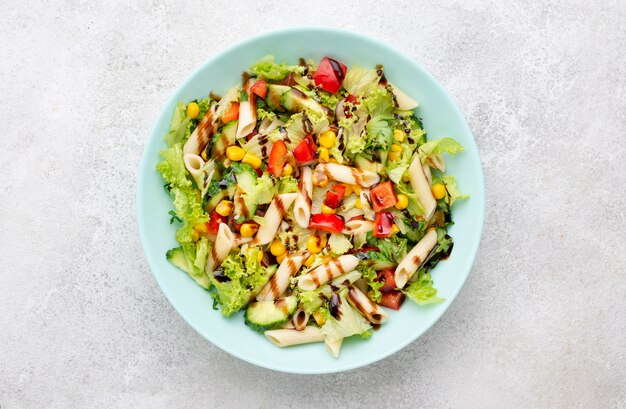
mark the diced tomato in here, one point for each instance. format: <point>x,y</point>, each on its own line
<point>392,299</point>
<point>259,88</point>
<point>388,277</point>
<point>326,222</point>
<point>353,99</point>
<point>346,108</point>
<point>231,114</point>
<point>335,195</point>
<point>384,223</point>
<point>329,75</point>
<point>278,156</point>
<point>383,196</point>
<point>305,152</point>
<point>215,219</point>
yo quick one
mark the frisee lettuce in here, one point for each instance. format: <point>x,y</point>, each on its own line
<point>267,69</point>
<point>360,81</point>
<point>453,192</point>
<point>421,291</point>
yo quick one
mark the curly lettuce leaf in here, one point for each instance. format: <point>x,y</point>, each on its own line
<point>438,147</point>
<point>421,291</point>
<point>314,299</point>
<point>339,244</point>
<point>351,322</point>
<point>360,81</point>
<point>267,69</point>
<point>380,102</point>
<point>172,167</point>
<point>369,274</point>
<point>453,192</point>
<point>414,208</point>
<point>287,184</point>
<point>380,132</point>
<point>188,206</point>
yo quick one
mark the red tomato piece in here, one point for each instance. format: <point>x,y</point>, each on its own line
<point>335,195</point>
<point>259,88</point>
<point>305,152</point>
<point>329,75</point>
<point>383,196</point>
<point>326,222</point>
<point>384,223</point>
<point>231,114</point>
<point>278,156</point>
<point>388,277</point>
<point>392,299</point>
<point>215,219</point>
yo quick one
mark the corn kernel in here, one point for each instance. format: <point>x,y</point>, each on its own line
<point>405,177</point>
<point>192,110</point>
<point>314,244</point>
<point>259,256</point>
<point>403,202</point>
<point>252,160</point>
<point>394,229</point>
<point>235,153</point>
<point>328,210</point>
<point>319,318</point>
<point>348,190</point>
<point>327,139</point>
<point>309,261</point>
<point>201,228</point>
<point>320,179</point>
<point>358,204</point>
<point>323,155</point>
<point>280,258</point>
<point>398,135</point>
<point>396,148</point>
<point>324,241</point>
<point>225,208</point>
<point>287,170</point>
<point>393,156</point>
<point>203,154</point>
<point>439,191</point>
<point>248,229</point>
<point>333,160</point>
<point>277,248</point>
<point>194,235</point>
<point>356,189</point>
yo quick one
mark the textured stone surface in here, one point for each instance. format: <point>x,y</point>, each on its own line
<point>541,320</point>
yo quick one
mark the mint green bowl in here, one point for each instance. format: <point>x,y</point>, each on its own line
<point>441,118</point>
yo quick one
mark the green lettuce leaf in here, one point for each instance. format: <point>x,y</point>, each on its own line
<point>287,184</point>
<point>380,131</point>
<point>180,127</point>
<point>369,274</point>
<point>188,206</point>
<point>262,114</point>
<point>453,192</point>
<point>439,146</point>
<point>414,208</point>
<point>314,299</point>
<point>339,244</point>
<point>380,102</point>
<point>421,291</point>
<point>360,81</point>
<point>351,322</point>
<point>267,69</point>
<point>202,252</point>
<point>172,167</point>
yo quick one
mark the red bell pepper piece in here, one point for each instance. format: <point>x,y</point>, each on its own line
<point>259,88</point>
<point>384,223</point>
<point>305,152</point>
<point>231,114</point>
<point>215,219</point>
<point>383,196</point>
<point>335,195</point>
<point>392,299</point>
<point>326,222</point>
<point>329,75</point>
<point>278,156</point>
<point>387,276</point>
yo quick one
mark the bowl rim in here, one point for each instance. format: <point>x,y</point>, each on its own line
<point>480,196</point>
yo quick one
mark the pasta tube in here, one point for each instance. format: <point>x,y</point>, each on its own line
<point>358,226</point>
<point>289,337</point>
<point>224,242</point>
<point>280,281</point>
<point>333,346</point>
<point>349,175</point>
<point>247,112</point>
<point>300,319</point>
<point>274,215</point>
<point>302,207</point>
<point>327,271</point>
<point>374,313</point>
<point>201,136</point>
<point>415,258</point>
<point>422,188</point>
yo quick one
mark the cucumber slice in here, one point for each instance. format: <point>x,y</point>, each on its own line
<point>274,93</point>
<point>264,315</point>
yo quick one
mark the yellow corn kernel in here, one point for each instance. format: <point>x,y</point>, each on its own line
<point>405,177</point>
<point>403,202</point>
<point>393,156</point>
<point>320,179</point>
<point>252,160</point>
<point>323,155</point>
<point>439,191</point>
<point>287,170</point>
<point>259,256</point>
<point>398,135</point>
<point>356,189</point>
<point>225,208</point>
<point>309,261</point>
<point>248,229</point>
<point>194,235</point>
<point>333,160</point>
<point>348,190</point>
<point>235,153</point>
<point>358,204</point>
<point>192,110</point>
<point>396,148</point>
<point>201,228</point>
<point>203,154</point>
<point>324,241</point>
<point>277,248</point>
<point>314,244</point>
<point>394,229</point>
<point>328,210</point>
<point>280,258</point>
<point>327,139</point>
<point>319,318</point>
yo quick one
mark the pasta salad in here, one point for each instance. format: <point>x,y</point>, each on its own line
<point>310,198</point>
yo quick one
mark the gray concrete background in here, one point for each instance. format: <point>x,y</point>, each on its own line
<point>541,321</point>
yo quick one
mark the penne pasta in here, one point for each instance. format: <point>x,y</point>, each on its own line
<point>280,281</point>
<point>247,112</point>
<point>289,337</point>
<point>274,215</point>
<point>224,242</point>
<point>259,145</point>
<point>333,346</point>
<point>422,188</point>
<point>359,300</point>
<point>302,207</point>
<point>239,240</point>
<point>327,271</point>
<point>427,173</point>
<point>415,258</point>
<point>201,136</point>
<point>348,174</point>
<point>366,204</point>
<point>300,319</point>
<point>358,226</point>
<point>194,165</point>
